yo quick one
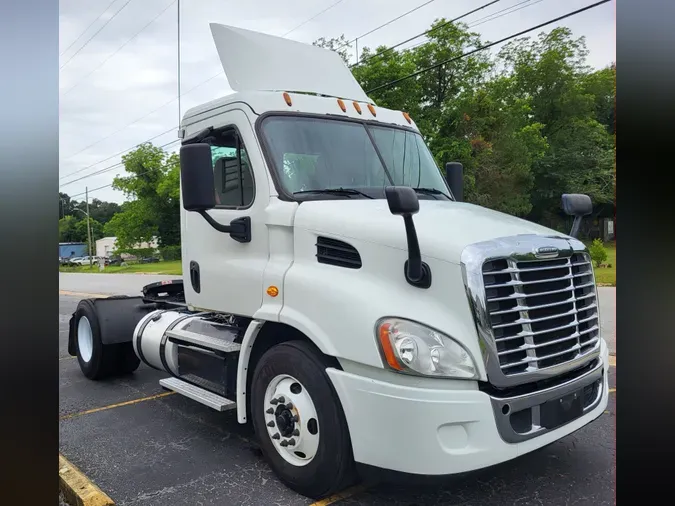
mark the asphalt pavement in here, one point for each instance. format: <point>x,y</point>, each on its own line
<point>144,446</point>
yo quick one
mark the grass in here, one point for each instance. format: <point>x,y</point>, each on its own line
<point>607,275</point>
<point>170,268</point>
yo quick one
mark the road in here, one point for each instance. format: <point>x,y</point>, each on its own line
<point>144,446</point>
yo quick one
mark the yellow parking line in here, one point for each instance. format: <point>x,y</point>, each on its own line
<point>118,405</point>
<point>77,488</point>
<point>84,294</point>
<point>345,494</point>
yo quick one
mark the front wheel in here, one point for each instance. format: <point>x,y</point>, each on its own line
<point>299,421</point>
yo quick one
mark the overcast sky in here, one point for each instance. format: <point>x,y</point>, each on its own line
<point>113,99</point>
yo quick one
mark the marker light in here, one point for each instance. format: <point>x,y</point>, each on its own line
<point>407,117</point>
<point>372,109</point>
<point>342,105</point>
<point>287,98</point>
<point>357,107</point>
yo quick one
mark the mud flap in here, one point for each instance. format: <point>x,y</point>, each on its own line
<point>71,336</point>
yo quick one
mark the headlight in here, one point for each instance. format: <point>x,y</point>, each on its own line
<point>415,349</point>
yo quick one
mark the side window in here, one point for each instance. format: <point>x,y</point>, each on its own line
<point>231,170</point>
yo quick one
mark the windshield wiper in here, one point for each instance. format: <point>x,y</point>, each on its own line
<point>431,191</point>
<point>335,191</point>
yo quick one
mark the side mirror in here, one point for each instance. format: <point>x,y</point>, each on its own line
<point>454,176</point>
<point>199,190</point>
<point>196,177</point>
<point>403,202</point>
<point>577,205</point>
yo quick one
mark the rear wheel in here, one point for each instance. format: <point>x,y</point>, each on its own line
<point>97,360</point>
<point>299,421</point>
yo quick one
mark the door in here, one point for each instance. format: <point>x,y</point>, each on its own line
<point>220,272</point>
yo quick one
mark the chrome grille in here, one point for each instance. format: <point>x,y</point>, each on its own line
<point>542,313</point>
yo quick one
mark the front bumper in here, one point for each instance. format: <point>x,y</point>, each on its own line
<point>436,432</point>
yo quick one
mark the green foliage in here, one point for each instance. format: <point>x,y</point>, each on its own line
<point>529,125</point>
<point>136,252</point>
<point>598,252</point>
<point>152,185</point>
<point>338,44</point>
<point>73,230</point>
<point>169,253</point>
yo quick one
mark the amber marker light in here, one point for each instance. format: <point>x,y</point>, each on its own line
<point>372,110</point>
<point>287,98</point>
<point>407,117</point>
<point>387,348</point>
<point>357,107</point>
<point>272,291</point>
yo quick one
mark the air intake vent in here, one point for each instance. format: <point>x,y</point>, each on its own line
<point>338,253</point>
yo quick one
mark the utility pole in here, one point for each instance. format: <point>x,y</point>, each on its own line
<point>86,194</point>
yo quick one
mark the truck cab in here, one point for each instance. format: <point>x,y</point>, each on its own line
<point>338,294</point>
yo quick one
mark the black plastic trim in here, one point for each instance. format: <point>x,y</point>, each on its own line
<point>328,243</point>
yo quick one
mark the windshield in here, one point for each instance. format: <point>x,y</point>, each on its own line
<point>315,154</point>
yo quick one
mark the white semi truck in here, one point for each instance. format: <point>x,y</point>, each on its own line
<point>340,296</point>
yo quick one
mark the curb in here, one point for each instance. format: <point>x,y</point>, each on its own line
<point>84,294</point>
<point>77,489</point>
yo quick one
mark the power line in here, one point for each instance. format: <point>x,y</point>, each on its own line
<point>486,46</point>
<point>116,154</point>
<point>313,17</point>
<point>86,29</point>
<point>485,19</point>
<point>104,186</point>
<point>95,34</point>
<point>385,24</point>
<point>118,49</point>
<point>511,10</point>
<point>156,110</point>
<point>112,167</point>
<point>424,33</point>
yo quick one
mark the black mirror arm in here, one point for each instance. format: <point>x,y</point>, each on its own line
<point>239,229</point>
<point>576,225</point>
<point>417,272</point>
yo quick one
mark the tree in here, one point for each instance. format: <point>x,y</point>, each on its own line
<point>340,45</point>
<point>551,74</point>
<point>154,206</point>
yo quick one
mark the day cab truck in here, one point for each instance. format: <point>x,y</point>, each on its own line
<point>339,295</point>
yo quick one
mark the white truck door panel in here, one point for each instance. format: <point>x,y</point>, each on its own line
<point>230,272</point>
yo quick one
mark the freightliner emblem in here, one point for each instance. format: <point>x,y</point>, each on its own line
<point>546,252</point>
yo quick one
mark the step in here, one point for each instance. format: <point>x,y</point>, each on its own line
<point>195,393</point>
<point>212,343</point>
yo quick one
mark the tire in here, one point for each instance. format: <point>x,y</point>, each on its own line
<point>331,469</point>
<point>98,361</point>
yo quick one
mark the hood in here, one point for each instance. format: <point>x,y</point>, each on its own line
<point>444,228</point>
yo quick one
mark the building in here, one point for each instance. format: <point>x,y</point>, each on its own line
<point>105,247</point>
<point>72,249</point>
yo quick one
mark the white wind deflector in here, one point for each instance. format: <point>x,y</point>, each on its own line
<point>255,61</point>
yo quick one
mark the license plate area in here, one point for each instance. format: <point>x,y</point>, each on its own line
<point>560,411</point>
